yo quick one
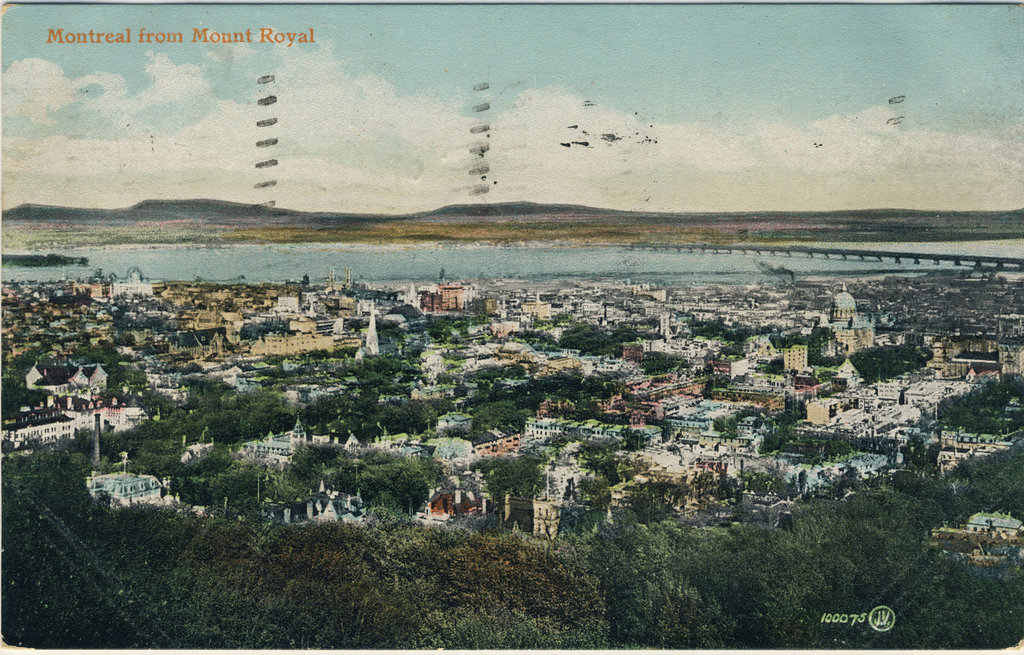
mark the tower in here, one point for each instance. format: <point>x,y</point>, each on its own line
<point>372,347</point>
<point>96,445</point>
<point>666,327</point>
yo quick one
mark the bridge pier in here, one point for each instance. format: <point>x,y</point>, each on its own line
<point>978,261</point>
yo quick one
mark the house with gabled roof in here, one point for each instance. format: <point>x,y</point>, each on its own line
<point>445,503</point>
<point>994,524</point>
<point>57,378</point>
<point>277,448</point>
<point>327,505</point>
<point>847,376</point>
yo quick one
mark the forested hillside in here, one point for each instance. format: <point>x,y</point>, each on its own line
<point>79,575</point>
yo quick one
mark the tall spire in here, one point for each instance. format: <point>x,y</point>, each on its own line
<point>372,347</point>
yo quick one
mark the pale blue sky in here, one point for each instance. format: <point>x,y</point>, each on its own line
<point>960,67</point>
<point>957,64</point>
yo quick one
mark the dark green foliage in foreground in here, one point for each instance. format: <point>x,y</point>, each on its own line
<point>76,574</point>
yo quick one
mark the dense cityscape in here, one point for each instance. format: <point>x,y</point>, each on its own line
<point>512,326</point>
<point>574,463</point>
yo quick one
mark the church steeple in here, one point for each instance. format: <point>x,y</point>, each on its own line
<point>298,432</point>
<point>371,345</point>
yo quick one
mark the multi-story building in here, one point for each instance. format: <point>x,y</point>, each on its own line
<point>294,344</point>
<point>1011,357</point>
<point>495,443</point>
<point>67,378</point>
<point>126,488</point>
<point>795,358</point>
<point>540,311</point>
<point>38,428</point>
<point>453,297</point>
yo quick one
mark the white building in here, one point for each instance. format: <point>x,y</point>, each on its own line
<point>126,488</point>
<point>133,285</point>
<point>287,305</point>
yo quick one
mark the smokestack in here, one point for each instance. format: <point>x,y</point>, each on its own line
<point>96,445</point>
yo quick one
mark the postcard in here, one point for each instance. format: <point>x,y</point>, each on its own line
<point>512,326</point>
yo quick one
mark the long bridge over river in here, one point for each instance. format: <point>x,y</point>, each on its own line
<point>898,256</point>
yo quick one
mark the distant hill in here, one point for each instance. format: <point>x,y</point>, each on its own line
<point>221,212</point>
<point>501,221</point>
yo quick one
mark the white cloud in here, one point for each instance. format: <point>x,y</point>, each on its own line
<point>108,98</point>
<point>354,143</point>
<point>172,83</point>
<point>36,87</point>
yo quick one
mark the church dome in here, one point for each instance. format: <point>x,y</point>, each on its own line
<point>844,300</point>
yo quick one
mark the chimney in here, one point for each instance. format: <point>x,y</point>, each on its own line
<point>287,514</point>
<point>96,445</point>
<point>458,498</point>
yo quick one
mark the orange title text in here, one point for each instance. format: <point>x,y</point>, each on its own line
<point>197,35</point>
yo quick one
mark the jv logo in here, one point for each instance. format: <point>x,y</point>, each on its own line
<point>882,618</point>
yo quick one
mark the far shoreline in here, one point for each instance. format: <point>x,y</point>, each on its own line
<point>922,246</point>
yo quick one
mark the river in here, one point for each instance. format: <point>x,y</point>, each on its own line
<point>278,263</point>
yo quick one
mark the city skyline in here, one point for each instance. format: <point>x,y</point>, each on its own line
<point>684,108</point>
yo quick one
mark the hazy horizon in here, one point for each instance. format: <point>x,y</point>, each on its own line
<point>512,202</point>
